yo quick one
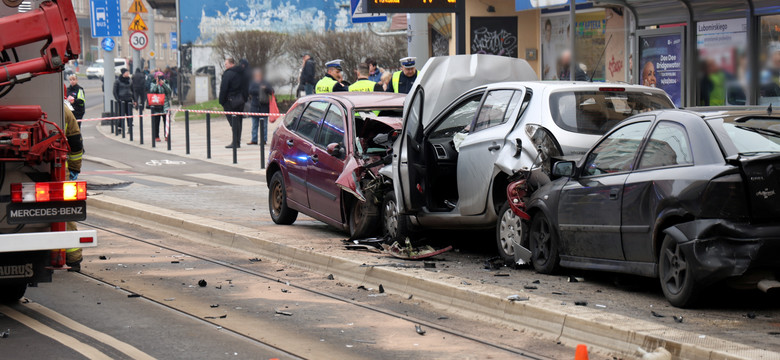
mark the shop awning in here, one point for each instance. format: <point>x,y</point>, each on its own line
<point>659,12</point>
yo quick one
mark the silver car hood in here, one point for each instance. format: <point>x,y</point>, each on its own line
<point>445,78</point>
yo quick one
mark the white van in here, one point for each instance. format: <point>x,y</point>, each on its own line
<point>95,71</point>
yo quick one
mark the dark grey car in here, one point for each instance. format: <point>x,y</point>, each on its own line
<point>686,197</point>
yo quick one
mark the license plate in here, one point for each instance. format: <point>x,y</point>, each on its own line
<point>32,213</point>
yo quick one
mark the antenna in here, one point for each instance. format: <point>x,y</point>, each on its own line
<point>593,73</point>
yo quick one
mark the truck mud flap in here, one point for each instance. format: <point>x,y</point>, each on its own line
<point>25,267</point>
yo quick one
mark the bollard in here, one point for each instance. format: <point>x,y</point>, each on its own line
<point>141,126</point>
<point>262,143</point>
<point>112,115</point>
<point>168,126</point>
<point>154,139</point>
<point>208,136</point>
<point>123,120</point>
<point>130,120</point>
<point>187,131</point>
<point>116,122</point>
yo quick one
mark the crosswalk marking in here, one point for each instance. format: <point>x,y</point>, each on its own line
<point>227,179</point>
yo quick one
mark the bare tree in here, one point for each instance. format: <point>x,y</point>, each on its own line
<point>258,47</point>
<point>353,47</point>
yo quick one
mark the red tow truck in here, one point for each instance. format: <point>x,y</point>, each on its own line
<point>35,189</point>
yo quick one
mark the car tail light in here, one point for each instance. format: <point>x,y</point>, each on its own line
<point>48,191</point>
<point>612,89</point>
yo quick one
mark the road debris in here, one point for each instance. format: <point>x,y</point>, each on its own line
<point>255,260</point>
<point>601,306</point>
<point>442,318</point>
<point>381,289</point>
<point>5,334</point>
<point>419,329</point>
<point>370,342</point>
<point>464,282</point>
<point>529,287</point>
<point>175,262</point>
<point>214,306</point>
<point>517,298</point>
<point>202,283</point>
<point>216,317</point>
<point>750,315</point>
<point>169,299</point>
<point>536,282</point>
<point>677,319</point>
<point>330,277</point>
<point>652,312</point>
<point>409,252</point>
<point>102,257</point>
<point>574,279</point>
<point>361,287</point>
<point>501,274</point>
<point>429,265</point>
<point>581,303</point>
<point>494,263</point>
<point>285,313</point>
<point>395,265</point>
<point>285,291</point>
<point>559,293</point>
<point>133,295</point>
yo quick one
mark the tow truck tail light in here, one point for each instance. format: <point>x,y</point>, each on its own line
<point>48,191</point>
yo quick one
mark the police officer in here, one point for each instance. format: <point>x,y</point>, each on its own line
<point>333,80</point>
<point>363,84</point>
<point>402,80</point>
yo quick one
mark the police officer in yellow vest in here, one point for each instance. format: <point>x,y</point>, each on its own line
<point>363,84</point>
<point>333,80</point>
<point>402,80</point>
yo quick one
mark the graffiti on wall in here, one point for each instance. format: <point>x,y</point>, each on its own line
<point>494,36</point>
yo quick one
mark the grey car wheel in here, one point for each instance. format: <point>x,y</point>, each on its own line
<point>544,244</point>
<point>677,280</point>
<point>509,230</point>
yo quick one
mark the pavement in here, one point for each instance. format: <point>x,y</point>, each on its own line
<point>202,200</point>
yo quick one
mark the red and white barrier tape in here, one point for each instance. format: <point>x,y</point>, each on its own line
<point>174,111</point>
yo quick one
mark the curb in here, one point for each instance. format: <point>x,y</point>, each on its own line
<point>573,325</point>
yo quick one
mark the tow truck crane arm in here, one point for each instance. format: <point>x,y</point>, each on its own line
<point>54,22</point>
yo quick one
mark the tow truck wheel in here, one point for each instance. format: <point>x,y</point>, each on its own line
<point>12,293</point>
<point>395,226</point>
<point>360,223</point>
<point>277,202</point>
<point>677,280</point>
<point>509,229</point>
<point>544,244</point>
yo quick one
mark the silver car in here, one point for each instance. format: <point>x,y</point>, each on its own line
<point>453,158</point>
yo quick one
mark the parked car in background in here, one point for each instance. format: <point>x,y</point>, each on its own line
<point>95,71</point>
<point>687,197</point>
<point>321,152</point>
<point>465,133</point>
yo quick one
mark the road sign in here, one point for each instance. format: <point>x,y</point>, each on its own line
<point>151,54</point>
<point>358,16</point>
<point>174,41</point>
<point>105,19</point>
<point>138,40</point>
<point>137,7</point>
<point>138,24</point>
<point>108,44</point>
<point>413,6</point>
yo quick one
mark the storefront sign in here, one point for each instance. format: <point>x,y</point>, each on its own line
<point>494,35</point>
<point>661,61</point>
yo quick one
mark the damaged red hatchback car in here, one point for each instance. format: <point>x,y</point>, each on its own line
<point>320,152</point>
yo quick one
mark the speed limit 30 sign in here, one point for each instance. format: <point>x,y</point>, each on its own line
<point>138,40</point>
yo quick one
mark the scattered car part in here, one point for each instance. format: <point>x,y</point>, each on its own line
<point>414,253</point>
<point>419,329</point>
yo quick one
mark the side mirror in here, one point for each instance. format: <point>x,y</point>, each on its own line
<point>335,149</point>
<point>563,169</point>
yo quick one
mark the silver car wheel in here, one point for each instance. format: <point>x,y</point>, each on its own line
<point>510,231</point>
<point>391,219</point>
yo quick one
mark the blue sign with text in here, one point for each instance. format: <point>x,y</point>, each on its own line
<point>174,41</point>
<point>105,18</point>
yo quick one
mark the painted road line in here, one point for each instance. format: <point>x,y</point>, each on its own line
<point>165,180</point>
<point>100,180</point>
<point>227,179</point>
<point>109,340</point>
<point>67,340</point>
<point>107,162</point>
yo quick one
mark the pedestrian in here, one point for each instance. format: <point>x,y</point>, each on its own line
<point>402,80</point>
<point>232,97</point>
<point>565,64</point>
<point>76,97</point>
<point>139,90</point>
<point>159,112</point>
<point>123,93</point>
<point>333,80</point>
<point>260,93</point>
<point>73,256</point>
<point>308,72</point>
<point>374,73</point>
<point>175,80</point>
<point>385,81</point>
<point>363,84</point>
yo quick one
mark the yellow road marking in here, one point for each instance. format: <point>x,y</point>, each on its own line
<point>109,340</point>
<point>67,340</point>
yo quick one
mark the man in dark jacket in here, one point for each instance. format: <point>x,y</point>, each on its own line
<point>232,96</point>
<point>139,89</point>
<point>123,93</point>
<point>260,93</point>
<point>76,97</point>
<point>308,73</point>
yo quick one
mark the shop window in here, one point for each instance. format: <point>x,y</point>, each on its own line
<point>769,78</point>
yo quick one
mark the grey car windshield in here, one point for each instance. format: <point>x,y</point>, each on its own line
<point>596,112</point>
<point>744,139</point>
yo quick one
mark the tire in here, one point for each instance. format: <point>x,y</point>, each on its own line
<point>509,229</point>
<point>543,241</point>
<point>277,202</point>
<point>395,227</point>
<point>360,224</point>
<point>11,293</point>
<point>677,280</point>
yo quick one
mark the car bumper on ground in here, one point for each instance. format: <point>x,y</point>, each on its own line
<point>717,249</point>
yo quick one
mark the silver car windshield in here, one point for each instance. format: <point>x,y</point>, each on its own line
<point>596,112</point>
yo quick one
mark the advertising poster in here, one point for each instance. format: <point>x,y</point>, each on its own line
<point>590,30</point>
<point>721,45</point>
<point>661,60</point>
<point>555,39</point>
<point>494,35</point>
<point>590,41</point>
